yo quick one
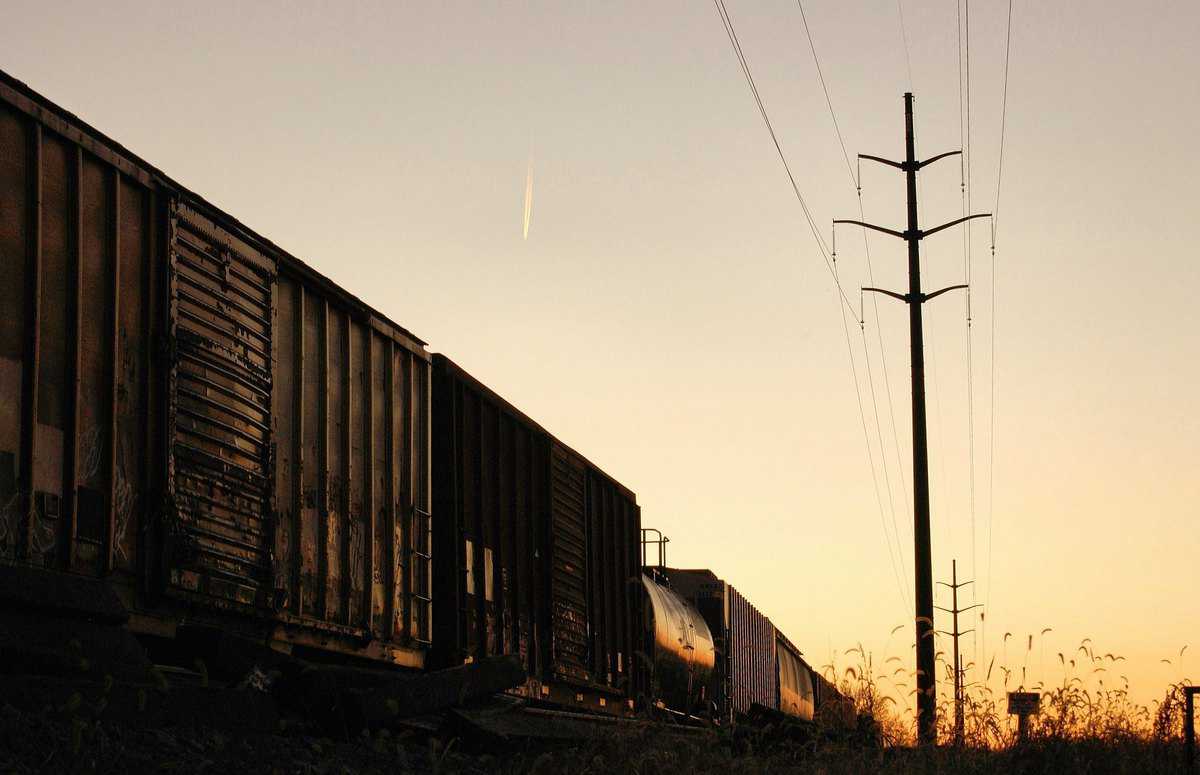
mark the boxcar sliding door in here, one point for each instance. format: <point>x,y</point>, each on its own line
<point>220,478</point>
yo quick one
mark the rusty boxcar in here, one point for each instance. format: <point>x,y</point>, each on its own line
<point>190,410</point>
<point>535,550</point>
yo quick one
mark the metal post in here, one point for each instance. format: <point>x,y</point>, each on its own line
<point>922,564</point>
<point>958,708</point>
<point>959,689</point>
<point>1189,728</point>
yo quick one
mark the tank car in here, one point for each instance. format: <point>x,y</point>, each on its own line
<point>755,665</point>
<point>681,649</point>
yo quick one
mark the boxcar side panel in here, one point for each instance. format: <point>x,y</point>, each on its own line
<point>154,364</point>
<point>420,533</point>
<point>569,564</point>
<point>379,496</point>
<point>15,250</point>
<point>95,369</point>
<point>132,364</point>
<point>347,414</point>
<point>752,648</point>
<point>75,268</point>
<point>534,544</point>
<point>286,443</point>
<point>57,259</point>
<point>402,428</point>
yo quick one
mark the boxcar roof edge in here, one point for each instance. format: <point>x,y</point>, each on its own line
<point>23,98</point>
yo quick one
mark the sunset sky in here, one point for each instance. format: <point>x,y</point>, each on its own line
<point>668,312</point>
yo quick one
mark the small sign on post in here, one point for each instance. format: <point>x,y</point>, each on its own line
<point>1023,705</point>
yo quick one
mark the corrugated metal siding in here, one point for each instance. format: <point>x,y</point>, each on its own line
<point>351,541</point>
<point>490,470</point>
<point>752,648</point>
<point>535,543</point>
<point>172,404</point>
<point>615,579</point>
<point>77,286</point>
<point>222,310</point>
<point>569,607</point>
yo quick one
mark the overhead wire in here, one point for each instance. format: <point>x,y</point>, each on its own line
<point>856,182</point>
<point>969,265</point>
<point>904,40</point>
<point>830,261</point>
<point>812,225</point>
<point>992,358</point>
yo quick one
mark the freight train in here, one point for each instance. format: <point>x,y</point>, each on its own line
<point>236,443</point>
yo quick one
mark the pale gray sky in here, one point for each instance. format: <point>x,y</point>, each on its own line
<point>669,314</point>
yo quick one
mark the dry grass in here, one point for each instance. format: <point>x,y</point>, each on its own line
<point>1089,702</point>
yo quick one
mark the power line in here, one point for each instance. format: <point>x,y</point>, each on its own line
<point>844,304</point>
<point>745,65</point>
<point>992,359</point>
<point>828,101</point>
<point>1003,120</point>
<point>857,183</point>
<point>970,358</point>
<point>904,39</point>
<point>871,462</point>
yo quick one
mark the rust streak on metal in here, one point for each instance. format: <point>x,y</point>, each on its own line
<point>33,316</point>
<point>298,461</point>
<point>75,348</point>
<point>114,247</point>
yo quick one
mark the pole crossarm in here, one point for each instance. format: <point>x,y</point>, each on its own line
<point>906,165</point>
<point>893,232</point>
<point>912,235</point>
<point>901,296</point>
<point>939,292</point>
<point>897,164</point>
<point>939,157</point>
<point>955,222</point>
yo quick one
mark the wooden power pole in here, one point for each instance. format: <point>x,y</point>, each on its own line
<point>959,671</point>
<point>915,298</point>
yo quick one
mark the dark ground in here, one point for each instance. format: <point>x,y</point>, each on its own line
<point>56,740</point>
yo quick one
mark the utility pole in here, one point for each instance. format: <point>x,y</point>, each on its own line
<point>915,298</point>
<point>958,668</point>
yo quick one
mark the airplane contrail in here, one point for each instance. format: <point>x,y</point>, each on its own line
<point>528,198</point>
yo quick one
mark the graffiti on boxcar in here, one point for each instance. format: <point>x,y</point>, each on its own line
<point>124,499</point>
<point>398,623</point>
<point>377,549</point>
<point>91,448</point>
<point>43,532</point>
<point>10,525</point>
<point>357,546</point>
<point>280,559</point>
